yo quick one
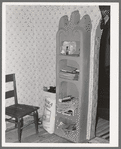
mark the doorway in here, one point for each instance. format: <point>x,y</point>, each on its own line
<point>103,106</point>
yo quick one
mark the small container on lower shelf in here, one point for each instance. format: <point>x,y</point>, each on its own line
<point>68,107</point>
<point>67,128</point>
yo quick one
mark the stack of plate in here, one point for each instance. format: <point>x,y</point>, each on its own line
<point>70,73</point>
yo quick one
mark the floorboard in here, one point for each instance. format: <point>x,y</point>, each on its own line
<point>29,135</point>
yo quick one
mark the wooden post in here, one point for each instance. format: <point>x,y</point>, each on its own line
<point>93,91</point>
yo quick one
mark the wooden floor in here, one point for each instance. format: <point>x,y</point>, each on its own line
<point>29,136</point>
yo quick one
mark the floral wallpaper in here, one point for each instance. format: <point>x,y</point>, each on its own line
<point>31,46</point>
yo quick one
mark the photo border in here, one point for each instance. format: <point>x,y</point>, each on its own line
<point>113,75</point>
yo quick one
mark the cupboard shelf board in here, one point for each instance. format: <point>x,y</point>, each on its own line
<point>69,57</point>
<point>68,81</point>
<point>73,118</point>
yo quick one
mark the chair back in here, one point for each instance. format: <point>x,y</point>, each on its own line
<point>11,93</point>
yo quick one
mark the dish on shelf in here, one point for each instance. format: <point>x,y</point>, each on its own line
<point>69,69</point>
<point>69,76</point>
<point>69,72</point>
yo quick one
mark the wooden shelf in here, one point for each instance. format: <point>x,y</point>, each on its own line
<point>73,118</point>
<point>67,80</point>
<point>69,57</point>
<point>71,40</point>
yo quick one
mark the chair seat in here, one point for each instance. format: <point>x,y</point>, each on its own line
<point>20,110</point>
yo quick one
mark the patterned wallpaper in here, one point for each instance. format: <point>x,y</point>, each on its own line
<point>31,46</point>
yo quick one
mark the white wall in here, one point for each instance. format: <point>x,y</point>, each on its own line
<point>31,46</point>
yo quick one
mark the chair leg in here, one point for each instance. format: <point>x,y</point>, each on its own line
<point>36,120</point>
<point>16,122</point>
<point>20,125</point>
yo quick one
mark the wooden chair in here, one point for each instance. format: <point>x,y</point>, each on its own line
<point>17,111</point>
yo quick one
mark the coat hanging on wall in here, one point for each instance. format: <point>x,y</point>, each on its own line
<point>104,65</point>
